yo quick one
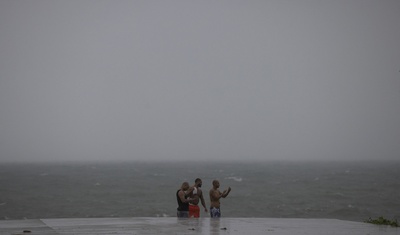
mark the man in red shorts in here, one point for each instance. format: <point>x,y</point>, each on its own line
<point>196,195</point>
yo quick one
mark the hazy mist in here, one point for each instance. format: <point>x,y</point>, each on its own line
<point>186,80</point>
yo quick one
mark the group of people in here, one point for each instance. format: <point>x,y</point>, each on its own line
<point>188,198</point>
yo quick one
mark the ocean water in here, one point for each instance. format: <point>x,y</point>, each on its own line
<point>342,190</point>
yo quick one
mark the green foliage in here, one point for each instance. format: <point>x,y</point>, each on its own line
<point>383,221</point>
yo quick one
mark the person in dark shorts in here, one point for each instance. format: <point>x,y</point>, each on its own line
<point>182,196</point>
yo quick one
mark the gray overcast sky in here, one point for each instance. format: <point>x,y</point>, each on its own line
<point>102,80</point>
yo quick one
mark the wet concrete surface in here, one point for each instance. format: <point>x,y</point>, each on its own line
<point>170,225</point>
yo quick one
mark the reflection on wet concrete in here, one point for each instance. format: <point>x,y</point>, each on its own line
<point>171,225</point>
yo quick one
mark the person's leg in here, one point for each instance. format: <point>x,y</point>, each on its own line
<point>215,212</point>
<point>191,211</point>
<point>182,214</point>
<point>196,212</point>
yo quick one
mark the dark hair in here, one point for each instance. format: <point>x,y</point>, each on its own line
<point>197,180</point>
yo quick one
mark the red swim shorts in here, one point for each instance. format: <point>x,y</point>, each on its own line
<point>194,211</point>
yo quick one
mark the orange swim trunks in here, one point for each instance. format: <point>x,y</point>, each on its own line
<point>194,211</point>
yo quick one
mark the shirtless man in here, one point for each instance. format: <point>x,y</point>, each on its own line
<point>215,195</point>
<point>196,195</point>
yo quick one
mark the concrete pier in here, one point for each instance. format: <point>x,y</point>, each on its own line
<point>170,225</point>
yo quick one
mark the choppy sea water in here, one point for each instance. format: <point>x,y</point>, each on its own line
<point>341,190</point>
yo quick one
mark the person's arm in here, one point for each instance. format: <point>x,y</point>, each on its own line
<point>203,202</point>
<point>226,192</point>
<point>190,190</point>
<point>181,195</point>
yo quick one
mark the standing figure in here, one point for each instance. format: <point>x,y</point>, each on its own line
<point>215,195</point>
<point>196,195</point>
<point>182,196</point>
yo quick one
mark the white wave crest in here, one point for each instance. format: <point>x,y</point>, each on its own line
<point>235,178</point>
